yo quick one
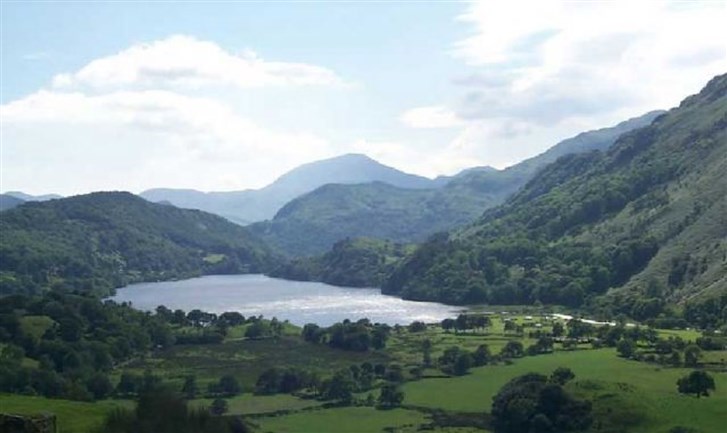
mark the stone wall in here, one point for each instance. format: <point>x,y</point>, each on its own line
<point>10,423</point>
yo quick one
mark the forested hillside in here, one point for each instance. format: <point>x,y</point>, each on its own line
<point>644,223</point>
<point>99,241</point>
<point>312,223</point>
<point>351,262</point>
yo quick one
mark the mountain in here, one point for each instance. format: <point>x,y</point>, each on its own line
<point>100,241</point>
<point>27,197</point>
<point>8,202</point>
<point>506,182</point>
<point>248,206</point>
<point>312,223</point>
<point>636,229</point>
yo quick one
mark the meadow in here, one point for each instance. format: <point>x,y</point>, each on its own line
<point>644,396</point>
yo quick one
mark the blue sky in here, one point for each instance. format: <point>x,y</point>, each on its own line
<point>229,95</point>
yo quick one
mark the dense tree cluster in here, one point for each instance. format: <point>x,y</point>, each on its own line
<point>65,345</point>
<point>285,380</point>
<point>75,341</point>
<point>467,322</point>
<point>707,313</point>
<point>162,411</point>
<point>697,382</point>
<point>534,403</point>
<point>358,336</point>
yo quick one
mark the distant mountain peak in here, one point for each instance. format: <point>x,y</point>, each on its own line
<point>29,197</point>
<point>256,205</point>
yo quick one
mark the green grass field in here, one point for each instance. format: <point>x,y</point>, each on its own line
<point>247,359</point>
<point>611,382</point>
<point>259,404</point>
<point>345,420</point>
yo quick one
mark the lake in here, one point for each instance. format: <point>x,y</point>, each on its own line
<point>296,301</point>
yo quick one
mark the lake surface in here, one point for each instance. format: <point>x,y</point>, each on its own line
<point>298,302</point>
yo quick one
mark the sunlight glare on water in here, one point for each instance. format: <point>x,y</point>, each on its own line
<point>298,302</point>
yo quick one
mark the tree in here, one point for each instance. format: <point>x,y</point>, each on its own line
<point>626,348</point>
<point>232,318</point>
<point>427,353</point>
<point>562,375</point>
<point>448,324</point>
<point>417,326</point>
<point>578,328</point>
<point>697,382</point>
<point>675,359</point>
<point>482,322</point>
<point>189,389</point>
<point>229,385</point>
<point>128,385</point>
<point>163,411</point>
<point>258,329</point>
<point>558,329</point>
<point>513,349</point>
<point>531,403</point>
<point>462,323</point>
<point>462,364</point>
<point>313,333</point>
<point>391,396</point>
<point>340,387</point>
<point>219,406</point>
<point>691,355</point>
<point>100,386</point>
<point>482,355</point>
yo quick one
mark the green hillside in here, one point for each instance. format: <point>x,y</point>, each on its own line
<point>104,240</point>
<point>630,230</point>
<point>312,223</point>
<point>351,262</point>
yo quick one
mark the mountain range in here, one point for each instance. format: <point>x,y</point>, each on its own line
<point>12,199</point>
<point>630,219</point>
<point>245,207</point>
<point>313,222</point>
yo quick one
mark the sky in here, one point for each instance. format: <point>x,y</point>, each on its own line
<point>220,96</point>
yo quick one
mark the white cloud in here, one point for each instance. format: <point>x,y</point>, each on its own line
<point>138,139</point>
<point>542,71</point>
<point>186,61</point>
<point>145,117</point>
<point>546,61</point>
<point>430,117</point>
